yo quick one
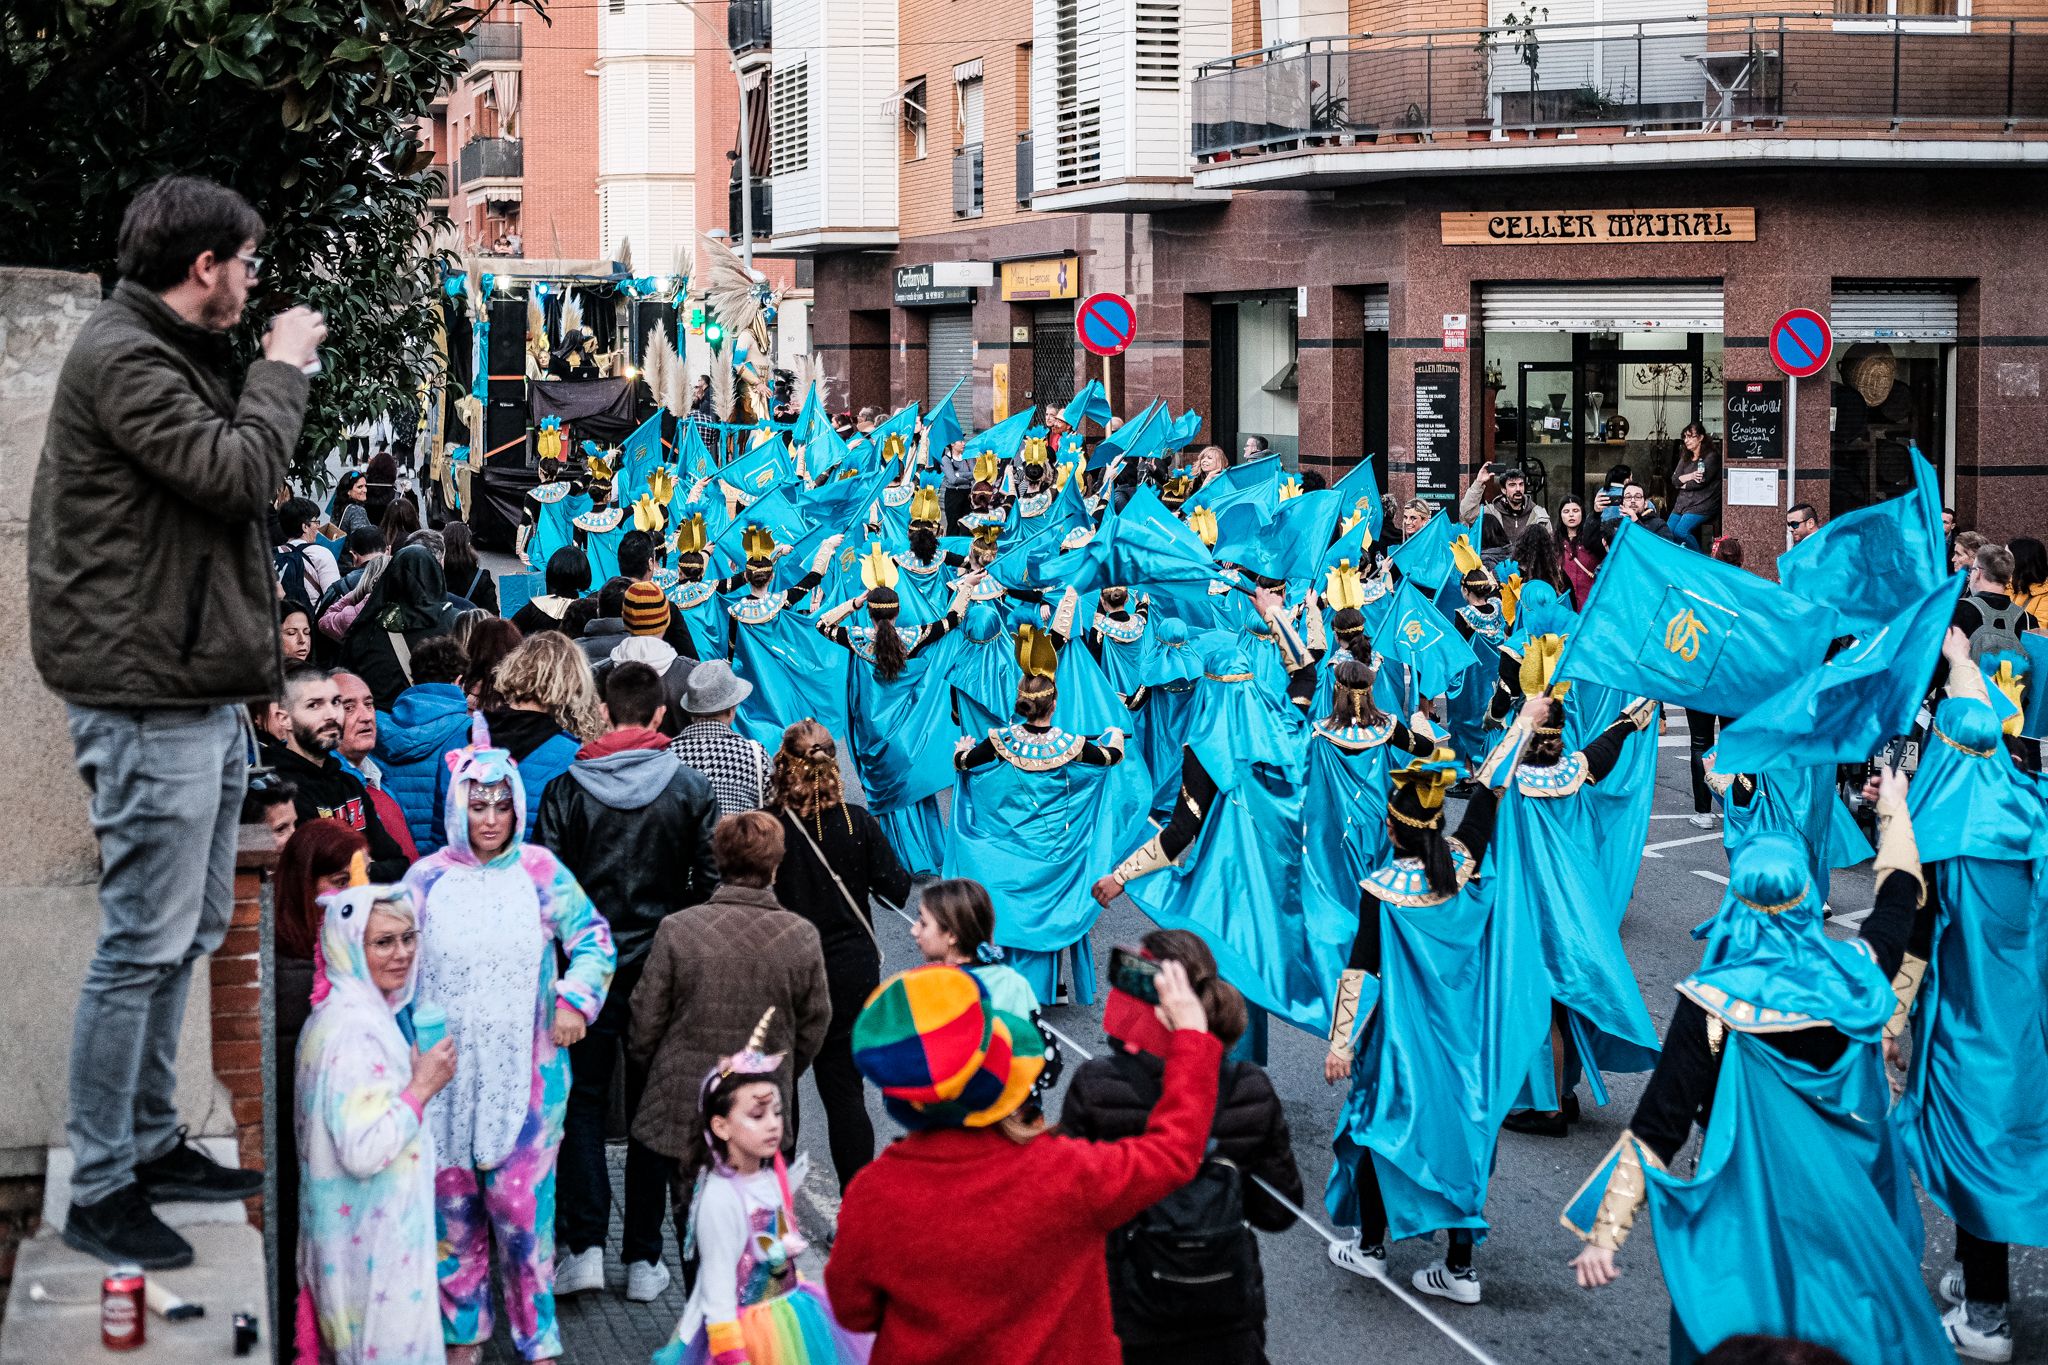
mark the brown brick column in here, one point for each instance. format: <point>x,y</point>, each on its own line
<point>1330,358</point>
<point>238,1018</point>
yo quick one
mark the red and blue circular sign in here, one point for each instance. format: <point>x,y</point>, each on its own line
<point>1105,323</point>
<point>1801,342</point>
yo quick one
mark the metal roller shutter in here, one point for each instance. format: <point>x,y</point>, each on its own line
<point>1052,354</point>
<point>949,357</point>
<point>1892,311</point>
<point>1588,307</point>
<point>1376,311</point>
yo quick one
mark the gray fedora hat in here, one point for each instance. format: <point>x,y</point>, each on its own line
<point>713,687</point>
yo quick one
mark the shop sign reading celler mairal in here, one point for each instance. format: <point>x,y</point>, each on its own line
<point>1627,226</point>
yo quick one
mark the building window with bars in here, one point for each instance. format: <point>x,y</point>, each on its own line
<point>967,129</point>
<point>912,101</point>
<point>790,103</point>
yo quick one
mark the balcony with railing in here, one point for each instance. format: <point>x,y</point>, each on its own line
<point>749,26</point>
<point>485,159</point>
<point>1787,87</point>
<point>493,42</point>
<point>967,181</point>
<point>763,195</point>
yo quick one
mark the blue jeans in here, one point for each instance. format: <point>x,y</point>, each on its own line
<point>167,791</point>
<point>1683,527</point>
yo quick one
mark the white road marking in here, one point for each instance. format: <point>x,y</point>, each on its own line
<point>1650,850</point>
<point>1710,876</point>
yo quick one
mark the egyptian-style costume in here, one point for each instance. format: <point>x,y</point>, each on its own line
<point>923,583</point>
<point>1172,670</point>
<point>1800,1219</point>
<point>1436,1010</point>
<point>900,729</point>
<point>1036,810</point>
<point>796,672</point>
<point>697,603</point>
<point>1974,1116</point>
<point>555,509</point>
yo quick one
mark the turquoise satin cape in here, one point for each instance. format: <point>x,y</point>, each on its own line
<point>1800,1220</point>
<point>553,529</point>
<point>1618,806</point>
<point>1343,837</point>
<point>797,674</point>
<point>901,731</point>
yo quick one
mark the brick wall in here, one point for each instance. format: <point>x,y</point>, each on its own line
<point>558,116</point>
<point>935,36</point>
<point>238,1021</point>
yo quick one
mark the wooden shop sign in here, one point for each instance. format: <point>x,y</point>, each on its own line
<point>1627,226</point>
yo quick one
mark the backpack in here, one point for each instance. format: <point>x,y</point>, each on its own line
<point>1189,1262</point>
<point>1997,629</point>
<point>291,571</point>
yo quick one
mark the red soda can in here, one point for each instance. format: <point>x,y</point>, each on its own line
<point>121,1308</point>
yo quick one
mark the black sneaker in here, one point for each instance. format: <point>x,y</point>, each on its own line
<point>1537,1122</point>
<point>124,1228</point>
<point>185,1172</point>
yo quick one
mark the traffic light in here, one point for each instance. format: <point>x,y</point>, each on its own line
<point>697,318</point>
<point>714,335</point>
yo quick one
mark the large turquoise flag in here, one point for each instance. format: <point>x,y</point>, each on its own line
<point>1843,711</point>
<point>1426,555</point>
<point>1668,623</point>
<point>1415,634</point>
<point>1287,545</point>
<point>1256,485</point>
<point>1135,439</point>
<point>810,418</point>
<point>1875,562</point>
<point>1003,440</point>
<point>775,511</point>
<point>764,467</point>
<point>1147,544</point>
<point>639,456</point>
<point>1091,404</point>
<point>1182,430</point>
<point>942,423</point>
<point>1359,491</point>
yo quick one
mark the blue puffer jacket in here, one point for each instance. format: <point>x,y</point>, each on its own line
<point>413,740</point>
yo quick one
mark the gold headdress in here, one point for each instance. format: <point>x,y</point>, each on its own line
<point>892,447</point>
<point>649,515</point>
<point>1539,662</point>
<point>1291,489</point>
<point>1062,474</point>
<point>690,537</point>
<point>1346,587</point>
<point>924,506</point>
<point>1035,652</point>
<point>600,468</point>
<point>2013,686</point>
<point>985,535</point>
<point>1035,451</point>
<point>661,486</point>
<point>758,543</point>
<point>1177,488</point>
<point>1465,557</point>
<point>1203,523</point>
<point>987,468</point>
<point>877,568</point>
<point>1420,787</point>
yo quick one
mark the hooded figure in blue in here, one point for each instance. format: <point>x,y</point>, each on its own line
<point>1548,853</point>
<point>1437,1008</point>
<point>981,661</point>
<point>1171,672</point>
<point>1800,1220</point>
<point>900,726</point>
<point>1035,806</point>
<point>926,566</point>
<point>1344,803</point>
<point>795,672</point>
<point>1797,801</point>
<point>1974,1116</point>
<point>1229,859</point>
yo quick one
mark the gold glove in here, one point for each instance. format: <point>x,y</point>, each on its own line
<point>1344,1018</point>
<point>1905,986</point>
<point>1626,1192</point>
<point>1150,857</point>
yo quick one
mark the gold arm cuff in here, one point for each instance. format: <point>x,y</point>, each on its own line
<point>1344,1017</point>
<point>1063,615</point>
<point>1150,857</point>
<point>1627,1190</point>
<point>1500,764</point>
<point>1317,641</point>
<point>1719,783</point>
<point>1905,985</point>
<point>1897,849</point>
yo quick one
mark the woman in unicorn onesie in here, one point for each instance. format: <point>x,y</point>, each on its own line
<point>366,1198</point>
<point>494,910</point>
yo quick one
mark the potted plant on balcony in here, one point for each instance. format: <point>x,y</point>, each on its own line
<point>1518,27</point>
<point>1596,115</point>
<point>1327,113</point>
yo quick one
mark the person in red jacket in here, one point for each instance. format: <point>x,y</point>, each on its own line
<point>976,1236</point>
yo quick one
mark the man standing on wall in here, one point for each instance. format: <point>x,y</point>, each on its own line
<point>156,626</point>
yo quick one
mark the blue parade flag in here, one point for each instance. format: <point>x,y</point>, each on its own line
<point>1360,492</point>
<point>1091,404</point>
<point>2036,720</point>
<point>1181,430</point>
<point>842,504</point>
<point>1416,635</point>
<point>1875,562</point>
<point>1003,440</point>
<point>942,424</point>
<point>826,454</point>
<point>775,511</point>
<point>902,422</point>
<point>1288,545</point>
<point>1132,440</point>
<point>1665,622</point>
<point>1351,547</point>
<point>809,418</point>
<point>1147,544</point>
<point>639,455</point>
<point>1844,710</point>
<point>766,466</point>
<point>1426,555</point>
<point>1256,484</point>
<point>694,447</point>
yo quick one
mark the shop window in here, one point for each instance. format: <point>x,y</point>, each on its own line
<point>1884,398</point>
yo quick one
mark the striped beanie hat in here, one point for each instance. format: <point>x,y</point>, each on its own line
<point>646,610</point>
<point>942,1054</point>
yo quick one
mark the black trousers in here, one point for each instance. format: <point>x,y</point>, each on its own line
<point>1701,725</point>
<point>852,975</point>
<point>1987,1268</point>
<point>1372,1213</point>
<point>583,1183</point>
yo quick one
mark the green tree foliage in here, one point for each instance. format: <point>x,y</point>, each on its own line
<point>309,108</point>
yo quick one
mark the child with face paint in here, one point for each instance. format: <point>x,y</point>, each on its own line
<point>750,1306</point>
<point>494,910</point>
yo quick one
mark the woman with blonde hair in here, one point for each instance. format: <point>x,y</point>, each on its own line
<point>546,707</point>
<point>836,858</point>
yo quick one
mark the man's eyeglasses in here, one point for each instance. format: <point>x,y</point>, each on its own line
<point>253,262</point>
<point>385,943</point>
<point>1795,523</point>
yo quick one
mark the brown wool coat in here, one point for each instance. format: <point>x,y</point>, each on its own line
<point>712,970</point>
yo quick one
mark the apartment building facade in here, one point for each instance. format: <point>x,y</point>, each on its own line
<point>1429,233</point>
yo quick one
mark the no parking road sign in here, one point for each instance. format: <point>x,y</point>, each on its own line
<point>1105,323</point>
<point>1801,342</point>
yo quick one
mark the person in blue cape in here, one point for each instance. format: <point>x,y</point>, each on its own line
<point>925,563</point>
<point>1548,853</point>
<point>1800,1219</point>
<point>697,603</point>
<point>1430,1005</point>
<point>795,671</point>
<point>548,524</point>
<point>980,660</point>
<point>1796,801</point>
<point>1119,638</point>
<point>1171,672</point>
<point>1483,623</point>
<point>1974,1116</point>
<point>1034,807</point>
<point>1359,600</point>
<point>1228,862</point>
<point>1344,803</point>
<point>1038,485</point>
<point>900,726</point>
<point>599,530</point>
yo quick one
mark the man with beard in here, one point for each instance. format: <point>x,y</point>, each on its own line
<point>326,789</point>
<point>1498,503</point>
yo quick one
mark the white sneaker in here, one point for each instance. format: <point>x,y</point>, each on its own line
<point>1368,1261</point>
<point>645,1281</point>
<point>579,1272</point>
<point>1980,1335</point>
<point>1952,1285</point>
<point>1459,1286</point>
<point>1701,820</point>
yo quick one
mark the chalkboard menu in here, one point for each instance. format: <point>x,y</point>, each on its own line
<point>1753,423</point>
<point>1436,430</point>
